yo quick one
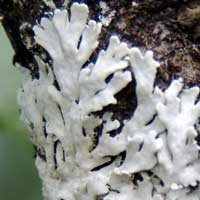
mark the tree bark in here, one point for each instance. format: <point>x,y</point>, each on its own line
<point>169,28</point>
<point>175,45</point>
<point>141,26</point>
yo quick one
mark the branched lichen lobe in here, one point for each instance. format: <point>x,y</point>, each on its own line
<point>90,150</point>
<point>118,123</point>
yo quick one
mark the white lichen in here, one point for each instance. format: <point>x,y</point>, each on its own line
<point>74,160</point>
<point>107,15</point>
<point>50,3</point>
<point>135,3</point>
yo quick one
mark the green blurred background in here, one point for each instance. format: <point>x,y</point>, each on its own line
<point>18,176</point>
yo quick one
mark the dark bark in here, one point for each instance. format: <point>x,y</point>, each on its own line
<point>154,24</point>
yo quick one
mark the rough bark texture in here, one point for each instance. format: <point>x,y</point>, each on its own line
<point>157,25</point>
<point>153,25</point>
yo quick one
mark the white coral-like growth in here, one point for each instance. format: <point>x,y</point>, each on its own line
<point>155,155</point>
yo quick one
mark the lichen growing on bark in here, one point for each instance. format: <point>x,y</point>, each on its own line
<point>78,156</point>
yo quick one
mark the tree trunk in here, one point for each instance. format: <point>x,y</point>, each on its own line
<point>109,119</point>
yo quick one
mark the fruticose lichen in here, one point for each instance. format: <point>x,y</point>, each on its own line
<point>155,155</point>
